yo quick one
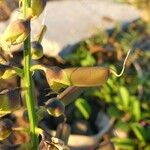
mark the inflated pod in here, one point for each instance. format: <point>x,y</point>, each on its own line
<point>87,76</point>
<point>59,78</point>
<point>80,76</point>
<point>77,76</point>
<point>5,128</point>
<point>55,107</point>
<point>36,50</point>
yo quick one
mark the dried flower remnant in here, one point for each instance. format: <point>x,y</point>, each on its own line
<point>5,128</point>
<point>15,33</point>
<point>36,50</point>
<point>52,144</point>
<point>55,107</point>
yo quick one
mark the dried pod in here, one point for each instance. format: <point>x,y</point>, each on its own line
<point>55,107</point>
<point>15,33</point>
<point>36,50</point>
<point>5,128</point>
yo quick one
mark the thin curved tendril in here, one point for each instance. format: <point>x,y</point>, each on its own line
<point>123,67</point>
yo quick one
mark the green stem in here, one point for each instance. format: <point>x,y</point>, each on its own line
<point>28,83</point>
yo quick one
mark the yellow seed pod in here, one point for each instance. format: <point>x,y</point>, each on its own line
<point>55,107</point>
<point>80,76</point>
<point>5,128</point>
<point>76,76</point>
<point>37,7</point>
<point>36,50</point>
<point>15,33</point>
<point>87,76</point>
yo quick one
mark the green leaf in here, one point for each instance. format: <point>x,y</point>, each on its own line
<point>88,61</point>
<point>113,111</point>
<point>125,97</point>
<point>83,107</point>
<point>139,132</point>
<point>123,143</point>
<point>123,125</point>
<point>135,108</point>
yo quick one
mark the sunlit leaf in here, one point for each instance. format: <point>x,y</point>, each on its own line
<point>123,143</point>
<point>113,111</point>
<point>124,96</point>
<point>135,108</point>
<point>83,107</point>
<point>139,132</point>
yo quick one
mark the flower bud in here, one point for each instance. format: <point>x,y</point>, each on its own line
<point>36,50</point>
<point>15,33</point>
<point>5,128</point>
<point>55,107</point>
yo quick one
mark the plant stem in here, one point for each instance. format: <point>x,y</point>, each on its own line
<point>28,83</point>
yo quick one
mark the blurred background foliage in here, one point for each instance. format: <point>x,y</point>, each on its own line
<point>126,99</point>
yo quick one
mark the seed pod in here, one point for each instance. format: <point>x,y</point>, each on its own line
<point>80,76</point>
<point>77,76</point>
<point>5,128</point>
<point>36,50</point>
<point>15,33</point>
<point>55,107</point>
<point>37,7</point>
<point>87,76</point>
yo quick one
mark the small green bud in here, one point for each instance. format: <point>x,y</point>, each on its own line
<point>5,128</point>
<point>15,33</point>
<point>36,50</point>
<point>55,107</point>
